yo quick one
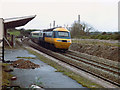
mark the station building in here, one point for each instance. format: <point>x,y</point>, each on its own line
<point>10,23</point>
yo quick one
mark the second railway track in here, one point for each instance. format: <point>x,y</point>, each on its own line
<point>109,68</point>
<point>101,70</point>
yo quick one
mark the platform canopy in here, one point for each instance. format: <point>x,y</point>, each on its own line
<point>17,21</point>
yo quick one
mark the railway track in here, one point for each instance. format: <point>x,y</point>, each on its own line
<point>107,63</point>
<point>109,68</point>
<point>101,70</point>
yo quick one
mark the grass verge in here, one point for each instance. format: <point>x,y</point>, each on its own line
<point>14,32</point>
<point>81,80</point>
<point>26,57</point>
<point>5,75</point>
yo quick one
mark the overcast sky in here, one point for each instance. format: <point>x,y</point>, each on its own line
<point>101,14</point>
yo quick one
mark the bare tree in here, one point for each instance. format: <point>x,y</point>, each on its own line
<point>78,29</point>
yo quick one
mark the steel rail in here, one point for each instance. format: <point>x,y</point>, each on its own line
<point>75,54</point>
<point>93,64</point>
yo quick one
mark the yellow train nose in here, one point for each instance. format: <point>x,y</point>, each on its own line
<point>62,45</point>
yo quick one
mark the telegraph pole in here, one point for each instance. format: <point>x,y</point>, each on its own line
<point>53,24</point>
<point>79,22</point>
<point>79,19</point>
<point>50,25</point>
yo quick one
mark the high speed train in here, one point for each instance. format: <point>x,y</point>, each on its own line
<point>59,38</point>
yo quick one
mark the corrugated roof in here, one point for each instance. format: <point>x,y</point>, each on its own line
<point>17,21</point>
<point>17,18</point>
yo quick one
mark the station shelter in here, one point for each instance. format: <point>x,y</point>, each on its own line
<point>10,23</point>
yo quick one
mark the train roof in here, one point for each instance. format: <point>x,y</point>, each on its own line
<point>61,29</point>
<point>51,29</point>
<point>35,32</point>
<point>56,29</point>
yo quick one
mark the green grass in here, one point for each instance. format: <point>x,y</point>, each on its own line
<point>83,81</point>
<point>5,75</point>
<point>16,33</point>
<point>27,57</point>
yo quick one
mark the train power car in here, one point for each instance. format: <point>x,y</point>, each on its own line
<point>59,38</point>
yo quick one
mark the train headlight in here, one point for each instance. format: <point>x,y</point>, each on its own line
<point>68,41</point>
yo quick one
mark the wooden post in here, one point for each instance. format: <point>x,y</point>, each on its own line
<point>14,43</point>
<point>1,31</point>
<point>5,32</point>
<point>13,40</point>
<point>1,37</point>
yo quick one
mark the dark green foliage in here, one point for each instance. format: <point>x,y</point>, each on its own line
<point>115,37</point>
<point>104,33</point>
<point>101,37</point>
<point>13,32</point>
<point>26,33</point>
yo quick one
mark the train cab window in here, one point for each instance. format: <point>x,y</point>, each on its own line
<point>63,34</point>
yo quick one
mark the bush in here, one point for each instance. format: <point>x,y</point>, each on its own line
<point>94,36</point>
<point>100,36</point>
<point>105,37</point>
<point>115,37</point>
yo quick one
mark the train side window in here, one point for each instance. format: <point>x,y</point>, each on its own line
<point>41,34</point>
<point>48,34</point>
<point>53,35</point>
<point>45,34</point>
<point>37,34</point>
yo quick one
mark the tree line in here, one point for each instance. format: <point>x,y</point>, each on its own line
<point>86,31</point>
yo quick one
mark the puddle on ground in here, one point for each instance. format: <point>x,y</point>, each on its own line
<point>44,76</point>
<point>11,54</point>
